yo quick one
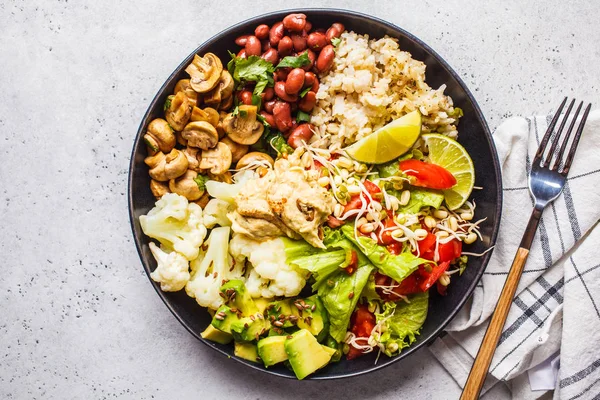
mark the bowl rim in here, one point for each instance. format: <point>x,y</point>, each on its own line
<point>439,331</point>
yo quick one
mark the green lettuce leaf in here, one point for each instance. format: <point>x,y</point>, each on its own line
<point>420,198</point>
<point>398,267</point>
<point>340,296</point>
<point>403,321</point>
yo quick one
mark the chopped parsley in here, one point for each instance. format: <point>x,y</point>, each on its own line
<point>303,93</point>
<point>294,62</point>
<point>251,69</point>
<point>302,116</point>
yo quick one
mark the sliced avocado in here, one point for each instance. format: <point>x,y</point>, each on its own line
<point>236,296</point>
<point>279,312</point>
<point>223,319</point>
<point>261,303</point>
<point>329,350</point>
<point>214,335</point>
<point>272,350</point>
<point>247,351</point>
<point>312,316</point>
<point>305,354</point>
<point>247,329</point>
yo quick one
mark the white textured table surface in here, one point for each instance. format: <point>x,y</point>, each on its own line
<point>79,318</point>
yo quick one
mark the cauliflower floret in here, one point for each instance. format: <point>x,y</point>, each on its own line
<point>215,213</point>
<point>177,224</point>
<point>211,268</point>
<point>271,276</point>
<point>172,271</point>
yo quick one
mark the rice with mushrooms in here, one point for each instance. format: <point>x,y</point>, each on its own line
<point>371,83</point>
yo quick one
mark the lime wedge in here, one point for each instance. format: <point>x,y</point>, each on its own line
<point>388,142</point>
<point>448,153</point>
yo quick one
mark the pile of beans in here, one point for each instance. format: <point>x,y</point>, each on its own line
<point>291,37</point>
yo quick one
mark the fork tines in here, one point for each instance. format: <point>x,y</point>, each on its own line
<point>545,158</point>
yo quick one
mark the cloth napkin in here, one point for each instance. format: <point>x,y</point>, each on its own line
<point>556,311</point>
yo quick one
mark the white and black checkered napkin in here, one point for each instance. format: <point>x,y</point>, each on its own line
<point>557,307</point>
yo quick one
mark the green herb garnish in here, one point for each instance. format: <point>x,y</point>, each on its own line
<point>251,69</point>
<point>294,62</point>
<point>201,182</point>
<point>303,93</point>
<point>168,103</point>
<point>302,116</point>
<point>335,42</point>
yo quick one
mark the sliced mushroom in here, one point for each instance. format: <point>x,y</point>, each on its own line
<point>205,72</point>
<point>200,134</point>
<point>217,160</point>
<point>186,186</point>
<point>159,136</point>
<point>180,139</point>
<point>220,130</point>
<point>203,201</point>
<point>222,92</point>
<point>158,189</point>
<point>193,156</point>
<point>165,167</point>
<point>243,128</point>
<point>184,86</point>
<point>227,103</point>
<point>255,158</point>
<point>208,114</point>
<point>178,110</point>
<point>226,177</point>
<point>237,150</point>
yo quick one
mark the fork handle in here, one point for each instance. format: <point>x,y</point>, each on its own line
<point>487,349</point>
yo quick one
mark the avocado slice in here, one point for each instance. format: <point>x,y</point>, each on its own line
<point>236,296</point>
<point>333,344</point>
<point>214,335</point>
<point>247,329</point>
<point>305,354</point>
<point>261,303</point>
<point>312,316</point>
<point>272,350</point>
<point>247,351</point>
<point>279,312</point>
<point>223,319</point>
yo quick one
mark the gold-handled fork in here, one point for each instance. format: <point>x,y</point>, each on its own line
<point>546,181</point>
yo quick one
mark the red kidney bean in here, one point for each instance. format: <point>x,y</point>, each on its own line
<point>276,33</point>
<point>316,41</point>
<point>281,74</point>
<point>281,93</point>
<point>266,45</point>
<point>268,117</point>
<point>315,86</point>
<point>245,97</point>
<point>271,56</point>
<point>294,22</point>
<point>283,116</point>
<point>253,46</point>
<point>307,103</point>
<point>299,41</point>
<point>309,79</point>
<point>312,57</point>
<point>242,53</point>
<point>307,27</point>
<point>262,31</point>
<point>269,93</point>
<point>335,31</point>
<point>241,40</point>
<point>285,46</point>
<point>294,81</point>
<point>301,133</point>
<point>268,106</point>
<point>325,60</point>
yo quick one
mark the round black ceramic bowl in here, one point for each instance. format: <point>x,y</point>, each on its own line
<point>474,134</point>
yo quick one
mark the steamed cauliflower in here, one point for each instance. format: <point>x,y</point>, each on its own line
<point>172,271</point>
<point>270,276</point>
<point>211,268</point>
<point>215,213</point>
<point>177,224</point>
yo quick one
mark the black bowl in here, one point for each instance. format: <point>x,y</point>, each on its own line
<point>474,134</point>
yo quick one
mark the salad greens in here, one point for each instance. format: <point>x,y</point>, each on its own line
<point>403,321</point>
<point>397,267</point>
